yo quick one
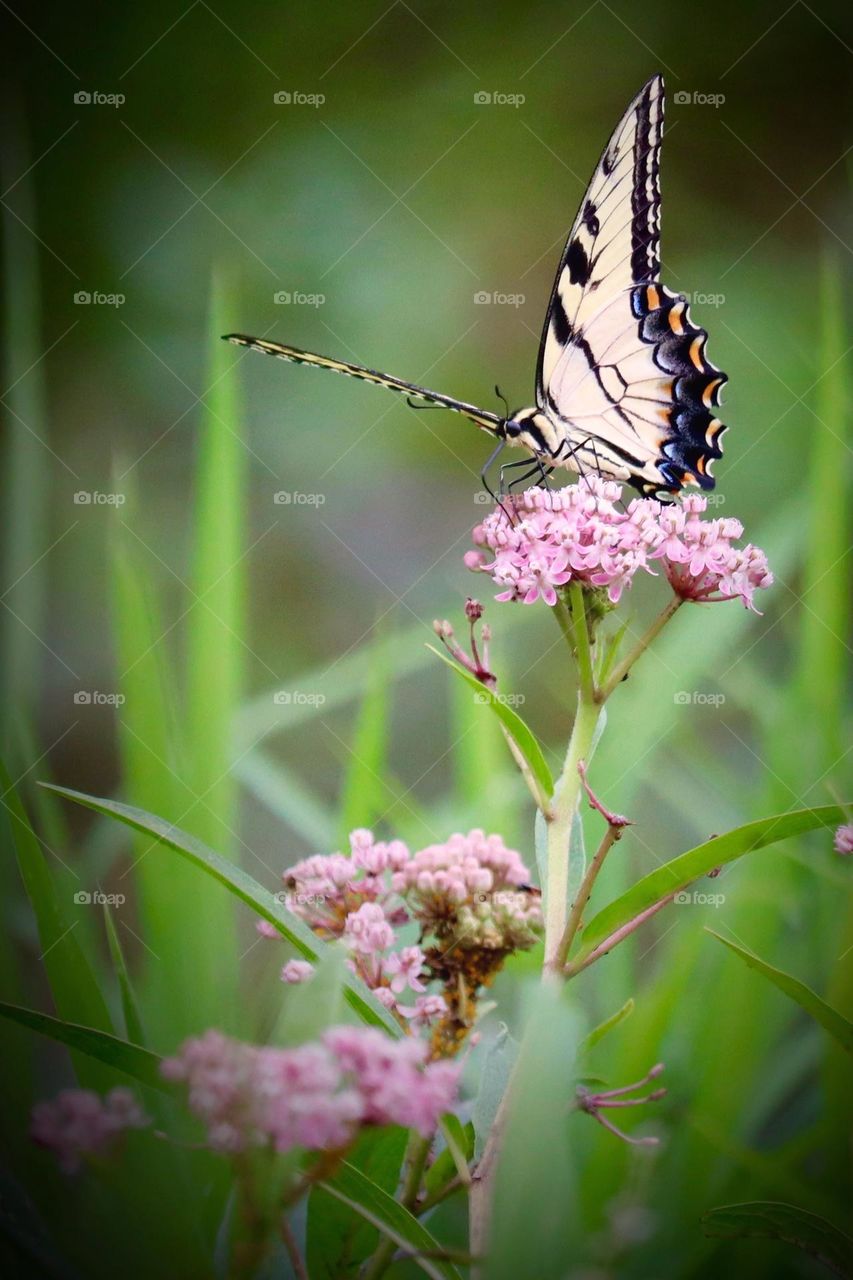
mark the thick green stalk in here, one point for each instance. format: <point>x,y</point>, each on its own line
<point>568,790</point>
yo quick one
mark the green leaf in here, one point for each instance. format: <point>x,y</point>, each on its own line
<point>338,1238</point>
<point>535,1206</point>
<point>121,1055</point>
<point>353,1188</point>
<point>830,1019</point>
<point>498,1062</point>
<point>795,1226</point>
<point>240,883</point>
<point>130,1006</point>
<point>522,735</point>
<point>453,1159</point>
<point>599,1032</point>
<point>73,984</point>
<point>366,794</point>
<point>683,870</point>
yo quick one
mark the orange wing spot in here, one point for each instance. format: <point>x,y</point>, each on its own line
<point>713,431</point>
<point>700,466</point>
<point>709,392</point>
<point>676,322</point>
<point>652,297</point>
<point>696,352</point>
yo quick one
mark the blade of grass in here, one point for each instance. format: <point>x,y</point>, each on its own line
<point>366,796</point>
<point>785,1222</point>
<point>287,797</point>
<point>241,884</point>
<point>830,1019</point>
<point>99,1046</point>
<point>133,1025</point>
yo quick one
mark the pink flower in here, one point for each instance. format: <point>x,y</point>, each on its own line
<point>578,534</point>
<point>367,929</point>
<point>425,1011</point>
<point>403,968</point>
<point>297,971</point>
<point>79,1123</point>
<point>397,1084</point>
<point>844,838</point>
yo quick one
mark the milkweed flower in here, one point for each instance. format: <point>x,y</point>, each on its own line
<point>79,1123</point>
<point>578,534</point>
<point>296,971</point>
<point>844,838</point>
<point>316,1096</point>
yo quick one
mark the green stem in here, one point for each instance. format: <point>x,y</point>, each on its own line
<point>611,835</point>
<point>568,789</point>
<point>620,672</point>
<point>416,1158</point>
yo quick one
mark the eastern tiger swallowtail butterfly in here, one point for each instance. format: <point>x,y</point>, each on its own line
<point>623,384</point>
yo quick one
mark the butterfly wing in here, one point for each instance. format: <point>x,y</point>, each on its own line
<point>488,421</point>
<point>621,366</point>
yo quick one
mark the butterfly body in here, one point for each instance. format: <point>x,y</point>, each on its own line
<point>623,384</point>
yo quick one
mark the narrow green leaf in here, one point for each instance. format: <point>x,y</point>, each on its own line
<point>366,795</point>
<point>681,871</point>
<point>72,982</point>
<point>795,1226</point>
<point>338,1238</point>
<point>454,1159</point>
<point>498,1062</point>
<point>121,1055</point>
<point>353,1188</point>
<point>830,1019</point>
<point>599,1032</point>
<point>240,883</point>
<point>522,735</point>
<point>132,1016</point>
<point>288,797</point>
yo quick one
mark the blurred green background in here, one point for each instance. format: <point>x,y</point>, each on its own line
<point>258,645</point>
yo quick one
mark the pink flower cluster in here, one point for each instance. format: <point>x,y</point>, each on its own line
<point>466,890</point>
<point>315,1096</point>
<point>578,534</point>
<point>78,1123</point>
<point>471,890</point>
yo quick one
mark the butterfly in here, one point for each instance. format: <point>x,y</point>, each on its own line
<point>624,386</point>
